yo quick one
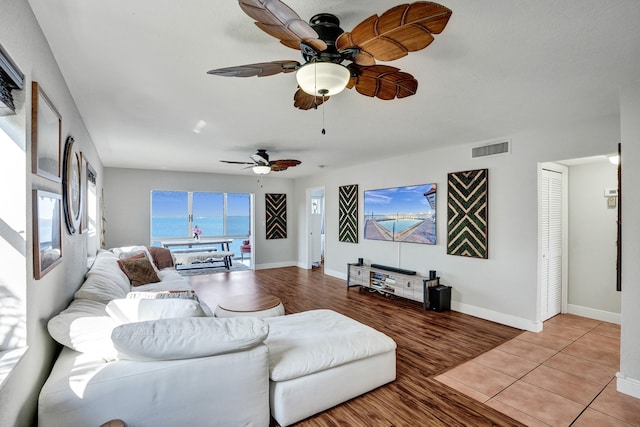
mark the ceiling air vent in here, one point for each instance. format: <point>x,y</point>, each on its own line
<point>490,150</point>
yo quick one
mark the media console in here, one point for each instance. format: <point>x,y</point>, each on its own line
<point>391,281</point>
<point>394,269</point>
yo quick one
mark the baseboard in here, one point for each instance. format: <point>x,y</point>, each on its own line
<point>334,273</point>
<point>483,313</point>
<point>495,316</point>
<point>276,265</point>
<point>592,313</point>
<point>628,385</point>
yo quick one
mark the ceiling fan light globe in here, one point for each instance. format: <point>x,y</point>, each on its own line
<point>261,170</point>
<point>322,78</point>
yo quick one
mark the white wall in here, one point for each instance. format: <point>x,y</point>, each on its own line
<point>22,39</point>
<point>592,242</point>
<point>503,287</point>
<point>127,194</point>
<point>629,376</point>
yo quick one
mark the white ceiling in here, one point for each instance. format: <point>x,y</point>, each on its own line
<point>137,71</point>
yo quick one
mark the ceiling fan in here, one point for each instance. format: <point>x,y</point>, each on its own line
<point>325,46</point>
<point>261,164</point>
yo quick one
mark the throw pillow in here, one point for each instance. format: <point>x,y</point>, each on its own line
<point>129,251</point>
<point>191,337</point>
<point>137,256</point>
<point>162,257</point>
<point>180,294</point>
<point>139,270</point>
<point>138,310</point>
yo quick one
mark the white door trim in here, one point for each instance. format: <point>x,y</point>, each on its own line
<point>555,167</point>
<point>307,234</point>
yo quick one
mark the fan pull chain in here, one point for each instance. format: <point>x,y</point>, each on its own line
<point>323,130</point>
<point>323,92</point>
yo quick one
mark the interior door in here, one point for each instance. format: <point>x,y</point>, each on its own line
<point>551,243</point>
<point>316,229</point>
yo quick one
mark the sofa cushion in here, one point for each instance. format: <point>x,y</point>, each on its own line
<point>311,341</point>
<point>170,339</point>
<point>86,327</point>
<point>104,281</point>
<point>100,289</point>
<point>137,310</point>
<point>139,270</point>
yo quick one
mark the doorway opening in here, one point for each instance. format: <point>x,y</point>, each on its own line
<point>577,239</point>
<point>315,228</point>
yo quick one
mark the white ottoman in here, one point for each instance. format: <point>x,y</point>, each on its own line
<point>253,305</point>
<point>319,359</point>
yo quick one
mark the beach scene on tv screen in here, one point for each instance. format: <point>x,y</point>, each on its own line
<point>401,214</point>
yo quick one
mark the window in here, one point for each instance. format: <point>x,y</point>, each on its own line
<point>13,245</point>
<point>175,213</point>
<point>91,210</point>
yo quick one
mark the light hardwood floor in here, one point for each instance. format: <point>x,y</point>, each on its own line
<point>429,344</point>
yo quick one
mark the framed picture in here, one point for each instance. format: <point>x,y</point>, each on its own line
<point>468,213</point>
<point>46,125</point>
<point>71,186</point>
<point>89,178</point>
<point>47,228</point>
<point>348,213</point>
<point>276,215</point>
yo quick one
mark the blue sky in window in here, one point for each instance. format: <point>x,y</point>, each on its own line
<point>175,204</point>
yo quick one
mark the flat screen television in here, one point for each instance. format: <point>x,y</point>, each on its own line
<point>401,214</point>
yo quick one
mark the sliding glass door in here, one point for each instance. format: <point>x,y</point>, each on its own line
<point>170,214</point>
<point>174,214</point>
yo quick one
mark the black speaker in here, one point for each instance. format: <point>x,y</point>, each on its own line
<point>440,298</point>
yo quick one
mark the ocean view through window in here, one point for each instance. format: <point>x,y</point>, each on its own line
<point>174,214</point>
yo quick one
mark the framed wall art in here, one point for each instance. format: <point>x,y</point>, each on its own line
<point>71,186</point>
<point>468,213</point>
<point>47,229</point>
<point>88,180</point>
<point>348,213</point>
<point>46,125</point>
<point>276,215</point>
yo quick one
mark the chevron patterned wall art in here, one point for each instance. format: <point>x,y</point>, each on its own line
<point>276,213</point>
<point>468,213</point>
<point>348,213</point>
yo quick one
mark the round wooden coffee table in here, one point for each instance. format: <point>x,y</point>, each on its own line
<point>250,305</point>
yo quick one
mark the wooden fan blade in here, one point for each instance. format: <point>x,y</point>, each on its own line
<point>303,101</point>
<point>289,163</point>
<point>260,69</point>
<point>402,29</point>
<point>385,82</point>
<point>280,21</point>
<point>281,165</point>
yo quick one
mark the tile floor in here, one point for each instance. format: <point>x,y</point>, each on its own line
<point>563,376</point>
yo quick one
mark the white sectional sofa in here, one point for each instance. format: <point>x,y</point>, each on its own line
<point>166,362</point>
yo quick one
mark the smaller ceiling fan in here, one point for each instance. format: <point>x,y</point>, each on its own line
<point>261,164</point>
